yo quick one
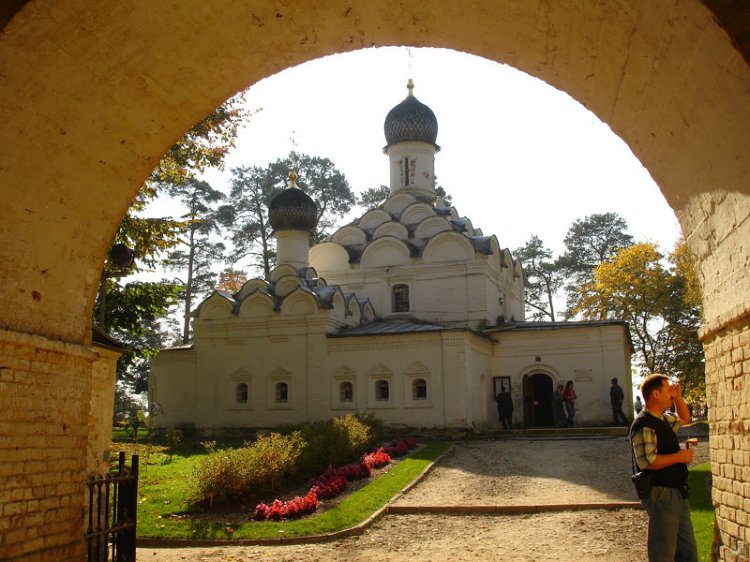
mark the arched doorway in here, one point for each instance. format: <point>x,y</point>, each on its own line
<point>537,400</point>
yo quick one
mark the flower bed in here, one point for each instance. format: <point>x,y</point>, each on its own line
<point>331,483</point>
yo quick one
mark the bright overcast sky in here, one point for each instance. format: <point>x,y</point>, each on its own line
<point>518,156</point>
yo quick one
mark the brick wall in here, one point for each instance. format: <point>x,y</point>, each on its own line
<point>728,388</point>
<point>44,390</point>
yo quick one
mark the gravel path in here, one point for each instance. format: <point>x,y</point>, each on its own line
<point>510,472</point>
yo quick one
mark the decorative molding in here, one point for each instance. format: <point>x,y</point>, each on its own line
<point>241,375</point>
<point>279,374</point>
<point>380,370</point>
<point>417,369</point>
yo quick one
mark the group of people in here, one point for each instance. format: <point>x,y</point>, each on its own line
<point>656,451</point>
<point>564,405</point>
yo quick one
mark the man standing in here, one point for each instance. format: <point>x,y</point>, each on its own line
<point>505,406</point>
<point>657,450</point>
<point>616,397</point>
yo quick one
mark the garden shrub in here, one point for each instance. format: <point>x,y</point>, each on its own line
<point>258,468</point>
<point>334,442</point>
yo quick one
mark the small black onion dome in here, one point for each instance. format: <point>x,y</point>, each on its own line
<point>411,120</point>
<point>293,209</point>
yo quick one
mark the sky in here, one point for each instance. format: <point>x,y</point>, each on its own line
<point>519,157</point>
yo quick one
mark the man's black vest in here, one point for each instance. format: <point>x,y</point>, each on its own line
<point>674,476</point>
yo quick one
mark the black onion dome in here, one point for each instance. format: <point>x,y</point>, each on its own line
<point>411,120</point>
<point>293,209</point>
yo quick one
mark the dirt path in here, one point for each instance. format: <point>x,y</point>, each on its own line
<point>512,472</point>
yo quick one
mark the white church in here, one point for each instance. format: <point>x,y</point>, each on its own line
<point>409,313</point>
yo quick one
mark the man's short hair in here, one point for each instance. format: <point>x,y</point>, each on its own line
<point>614,380</point>
<point>651,383</point>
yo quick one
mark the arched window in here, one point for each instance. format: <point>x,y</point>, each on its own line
<point>346,392</point>
<point>419,389</point>
<point>382,391</point>
<point>282,392</point>
<point>241,393</point>
<point>400,298</point>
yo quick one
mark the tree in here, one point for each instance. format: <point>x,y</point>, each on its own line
<point>543,278</point>
<point>246,217</point>
<point>204,145</point>
<point>200,253</point>
<point>440,192</point>
<point>253,189</point>
<point>637,287</point>
<point>322,181</point>
<point>589,242</point>
<point>134,310</point>
<point>231,280</point>
<point>684,317</point>
<point>373,196</point>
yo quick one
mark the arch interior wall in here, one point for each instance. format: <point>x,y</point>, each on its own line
<point>90,106</point>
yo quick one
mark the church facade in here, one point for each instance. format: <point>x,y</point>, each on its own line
<point>409,313</point>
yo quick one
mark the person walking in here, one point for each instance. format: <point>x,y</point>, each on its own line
<point>638,405</point>
<point>616,398</point>
<point>657,451</point>
<point>505,407</point>
<point>558,413</point>
<point>569,399</point>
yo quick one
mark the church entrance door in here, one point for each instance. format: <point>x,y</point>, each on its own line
<point>537,400</point>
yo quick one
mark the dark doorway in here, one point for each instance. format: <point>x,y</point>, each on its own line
<point>537,400</point>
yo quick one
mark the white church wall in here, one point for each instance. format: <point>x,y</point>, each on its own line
<point>399,360</point>
<point>589,356</point>
<point>172,388</point>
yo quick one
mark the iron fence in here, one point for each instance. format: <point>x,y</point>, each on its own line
<point>112,510</point>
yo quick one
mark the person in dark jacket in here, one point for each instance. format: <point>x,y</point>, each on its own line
<point>657,451</point>
<point>505,408</point>
<point>616,398</point>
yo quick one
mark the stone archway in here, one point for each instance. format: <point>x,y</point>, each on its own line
<point>94,93</point>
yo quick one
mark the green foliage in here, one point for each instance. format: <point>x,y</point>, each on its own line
<point>373,196</point>
<point>253,470</point>
<point>173,438</point>
<point>701,509</point>
<point>590,242</point>
<point>335,442</point>
<point>542,276</point>
<point>446,197</point>
<point>636,286</point>
<point>133,313</point>
<point>197,254</point>
<point>204,145</point>
<point>253,188</point>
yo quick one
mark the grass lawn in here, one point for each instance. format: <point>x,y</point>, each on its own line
<point>701,509</point>
<point>165,489</point>
<point>124,434</point>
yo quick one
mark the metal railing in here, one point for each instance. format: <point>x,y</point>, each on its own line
<point>112,510</point>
